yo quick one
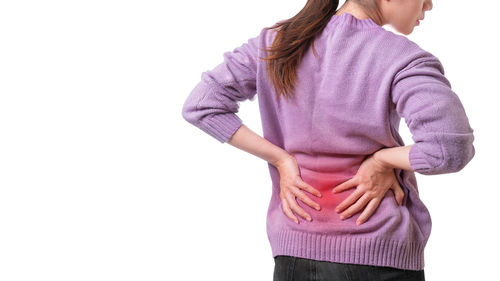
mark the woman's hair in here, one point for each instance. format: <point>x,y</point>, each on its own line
<point>293,38</point>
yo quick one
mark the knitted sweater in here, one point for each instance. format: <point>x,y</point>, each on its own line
<point>348,104</point>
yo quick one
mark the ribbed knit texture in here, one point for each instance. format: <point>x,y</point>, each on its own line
<point>348,103</point>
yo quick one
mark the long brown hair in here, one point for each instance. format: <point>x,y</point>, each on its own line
<point>292,40</point>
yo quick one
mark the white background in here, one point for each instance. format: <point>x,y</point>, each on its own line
<point>102,179</point>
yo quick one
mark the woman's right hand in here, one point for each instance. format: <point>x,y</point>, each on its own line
<point>291,184</point>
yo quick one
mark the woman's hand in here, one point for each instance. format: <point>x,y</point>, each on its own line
<point>372,181</point>
<point>290,187</point>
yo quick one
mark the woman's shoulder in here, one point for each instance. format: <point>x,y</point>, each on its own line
<point>402,44</point>
<point>404,52</point>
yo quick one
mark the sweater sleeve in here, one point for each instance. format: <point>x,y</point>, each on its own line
<point>213,103</point>
<point>435,116</point>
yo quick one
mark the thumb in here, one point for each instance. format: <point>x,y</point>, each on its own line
<point>398,192</point>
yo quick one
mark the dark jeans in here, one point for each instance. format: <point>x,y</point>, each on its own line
<point>287,268</point>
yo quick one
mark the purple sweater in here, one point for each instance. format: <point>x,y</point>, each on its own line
<point>348,104</point>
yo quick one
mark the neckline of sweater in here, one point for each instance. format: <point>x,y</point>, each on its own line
<point>347,19</point>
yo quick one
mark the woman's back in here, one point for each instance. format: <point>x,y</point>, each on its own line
<point>347,104</point>
<point>343,92</point>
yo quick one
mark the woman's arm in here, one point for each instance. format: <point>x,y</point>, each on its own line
<point>395,157</point>
<point>245,139</point>
<point>422,95</point>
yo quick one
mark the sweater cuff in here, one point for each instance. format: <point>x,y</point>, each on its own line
<point>221,126</point>
<point>417,160</point>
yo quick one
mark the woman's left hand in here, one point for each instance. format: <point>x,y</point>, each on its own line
<point>371,181</point>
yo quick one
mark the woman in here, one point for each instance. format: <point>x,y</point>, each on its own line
<point>333,86</point>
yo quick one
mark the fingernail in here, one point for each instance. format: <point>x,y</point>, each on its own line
<point>309,218</point>
<point>358,222</point>
<point>317,208</point>
<point>342,217</point>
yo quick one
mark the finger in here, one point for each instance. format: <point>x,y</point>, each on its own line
<point>307,187</point>
<point>349,200</point>
<point>302,196</point>
<point>296,208</point>
<point>399,194</point>
<point>356,207</point>
<point>369,210</point>
<point>345,185</point>
<point>287,211</point>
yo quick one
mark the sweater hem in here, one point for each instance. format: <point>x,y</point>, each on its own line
<point>350,249</point>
